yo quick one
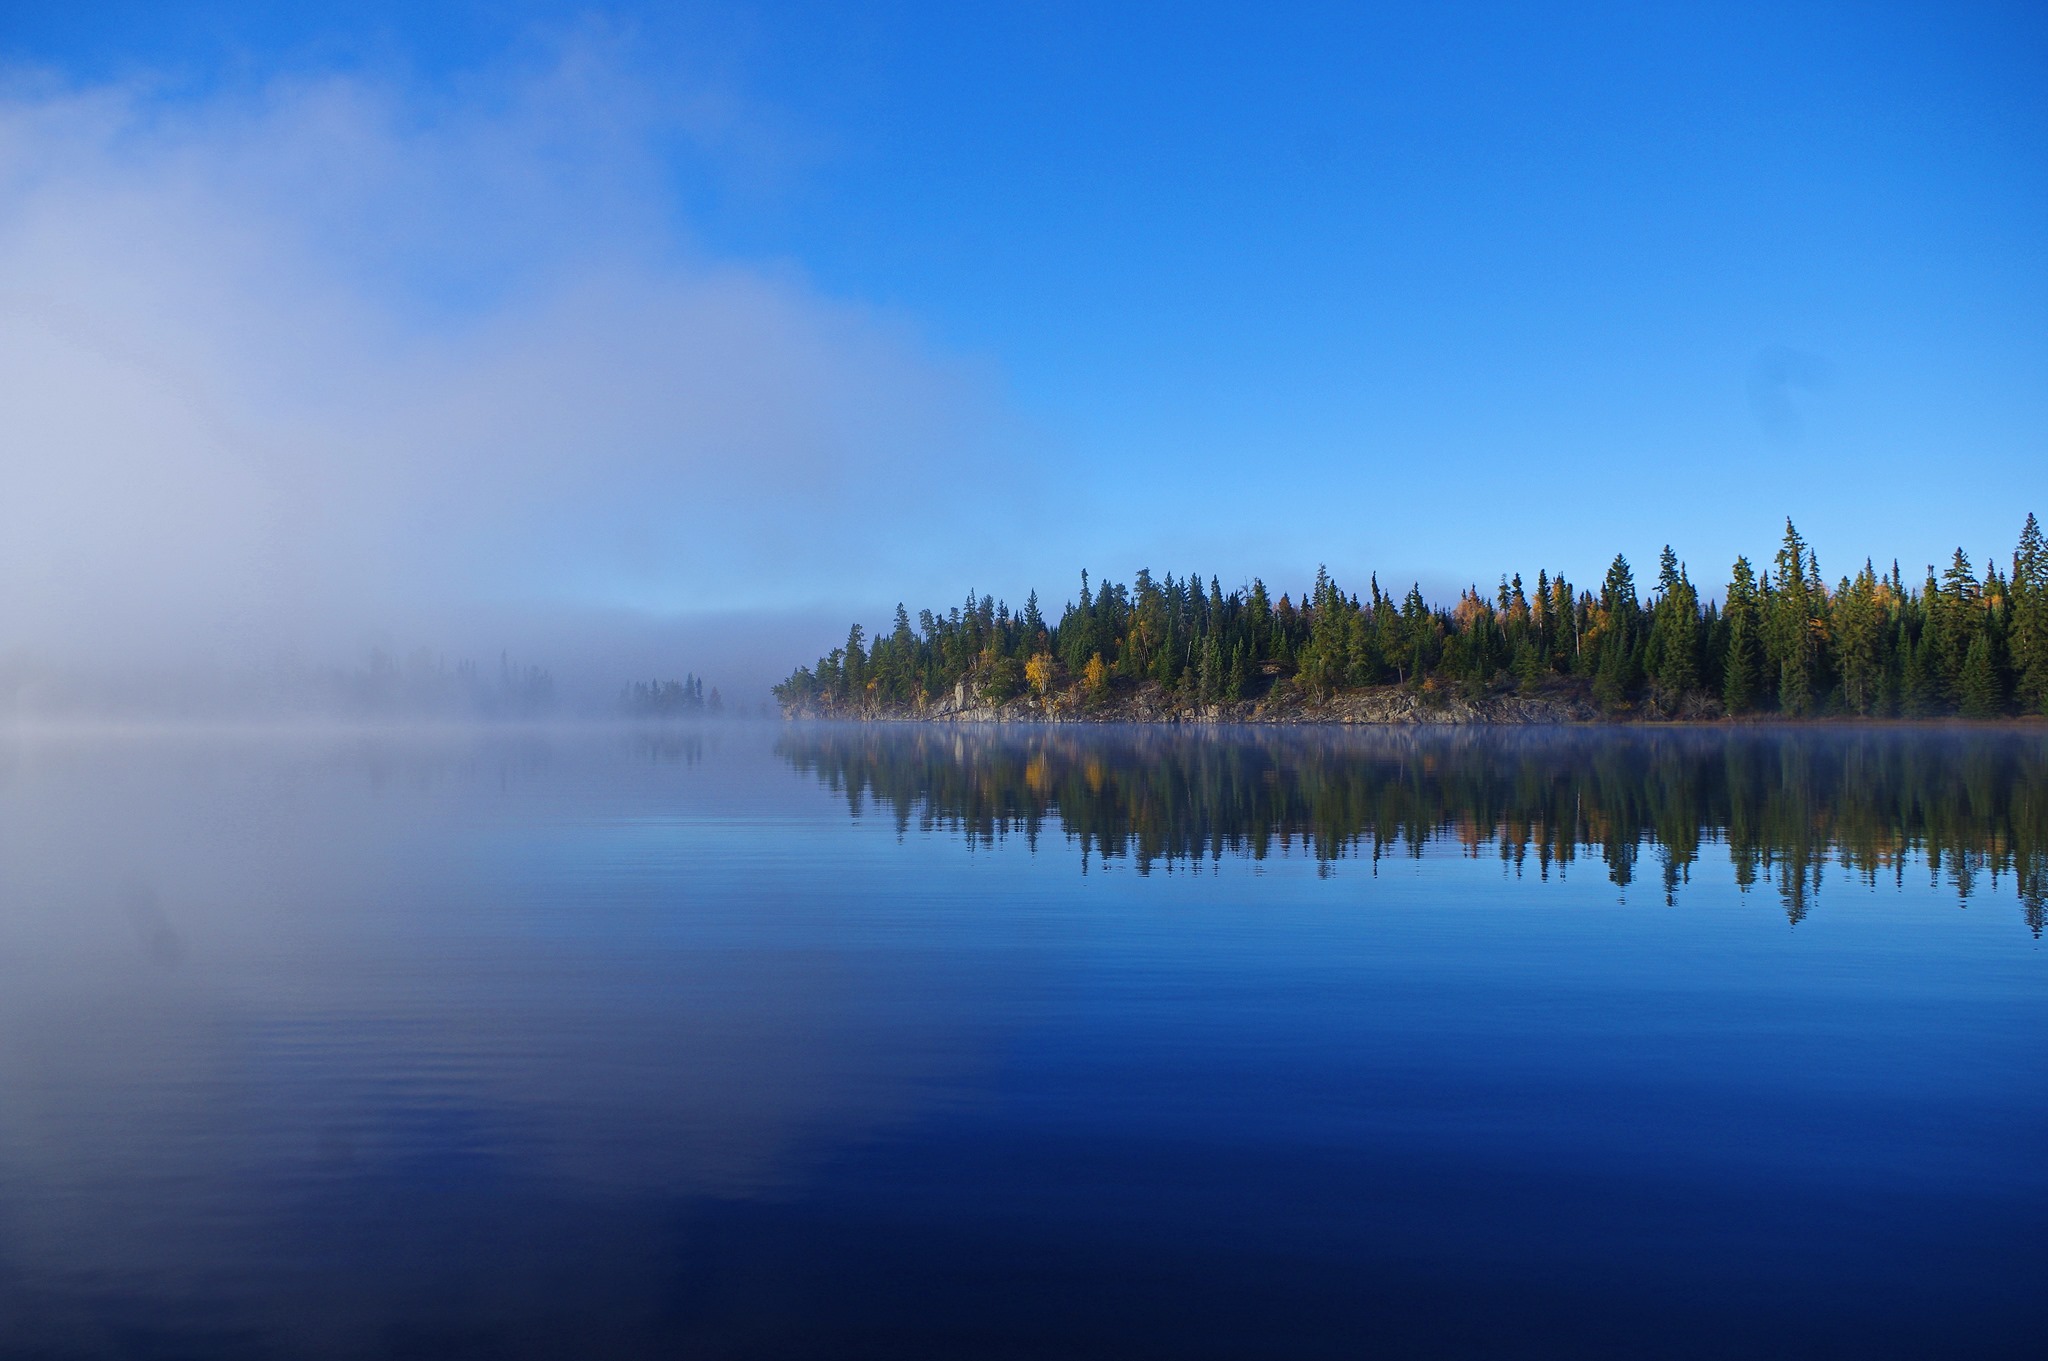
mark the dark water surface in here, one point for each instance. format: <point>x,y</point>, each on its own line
<point>765,1042</point>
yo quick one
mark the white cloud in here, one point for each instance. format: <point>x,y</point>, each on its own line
<point>280,369</point>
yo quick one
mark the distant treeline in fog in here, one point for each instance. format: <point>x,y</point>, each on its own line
<point>424,685</point>
<point>671,698</point>
<point>1780,640</point>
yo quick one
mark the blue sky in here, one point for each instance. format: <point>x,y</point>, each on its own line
<point>1439,292</point>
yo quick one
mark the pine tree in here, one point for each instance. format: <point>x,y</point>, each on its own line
<point>1672,653</point>
<point>1956,611</point>
<point>1792,630</point>
<point>1784,640</point>
<point>854,668</point>
<point>1564,618</point>
<point>2028,638</point>
<point>894,674</point>
<point>1858,633</point>
<point>1324,660</point>
<point>1920,679</point>
<point>1615,672</point>
<point>1977,681</point>
<point>1258,620</point>
<point>1739,680</point>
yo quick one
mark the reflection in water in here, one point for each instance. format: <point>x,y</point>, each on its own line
<point>1970,805</point>
<point>630,1043</point>
<point>263,1004</point>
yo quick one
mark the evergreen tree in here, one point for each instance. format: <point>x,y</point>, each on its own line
<point>1859,629</point>
<point>1869,646</point>
<point>1325,660</point>
<point>1955,611</point>
<point>854,668</point>
<point>2028,636</point>
<point>1920,682</point>
<point>1672,653</point>
<point>1739,683</point>
<point>1793,632</point>
<point>1617,669</point>
<point>1258,621</point>
<point>1977,681</point>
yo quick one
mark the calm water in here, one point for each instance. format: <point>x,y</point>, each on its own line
<point>764,1042</point>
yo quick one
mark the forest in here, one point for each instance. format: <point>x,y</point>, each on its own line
<point>670,698</point>
<point>1777,640</point>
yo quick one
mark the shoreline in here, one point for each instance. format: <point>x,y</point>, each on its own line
<point>1558,705</point>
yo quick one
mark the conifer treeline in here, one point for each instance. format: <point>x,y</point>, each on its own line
<point>1779,640</point>
<point>670,698</point>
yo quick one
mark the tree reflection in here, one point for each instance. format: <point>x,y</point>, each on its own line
<point>1968,805</point>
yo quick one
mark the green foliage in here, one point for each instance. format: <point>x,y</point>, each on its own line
<point>1779,641</point>
<point>1977,681</point>
<point>2029,632</point>
<point>1859,637</point>
<point>1672,653</point>
<point>1792,628</point>
<point>1002,679</point>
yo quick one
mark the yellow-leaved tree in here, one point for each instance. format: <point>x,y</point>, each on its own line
<point>1096,678</point>
<point>1038,673</point>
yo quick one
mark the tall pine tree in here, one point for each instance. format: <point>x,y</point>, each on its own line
<point>2028,637</point>
<point>1743,620</point>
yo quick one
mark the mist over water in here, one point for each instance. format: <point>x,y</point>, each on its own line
<point>749,1039</point>
<point>428,432</point>
<point>334,373</point>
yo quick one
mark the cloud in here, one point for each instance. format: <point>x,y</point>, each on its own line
<point>338,356</point>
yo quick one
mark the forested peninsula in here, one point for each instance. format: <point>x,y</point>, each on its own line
<point>1778,642</point>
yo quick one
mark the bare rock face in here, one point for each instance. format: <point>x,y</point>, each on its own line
<point>1282,703</point>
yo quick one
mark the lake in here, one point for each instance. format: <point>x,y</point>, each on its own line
<point>756,1040</point>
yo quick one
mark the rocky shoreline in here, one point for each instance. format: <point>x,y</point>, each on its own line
<point>1386,705</point>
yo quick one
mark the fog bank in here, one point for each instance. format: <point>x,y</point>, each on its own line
<point>335,368</point>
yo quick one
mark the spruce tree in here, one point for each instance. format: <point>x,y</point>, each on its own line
<point>1528,665</point>
<point>1672,653</point>
<point>1615,672</point>
<point>1956,611</point>
<point>2028,637</point>
<point>1977,681</point>
<point>1792,635</point>
<point>854,668</point>
<point>1324,660</point>
<point>1784,639</point>
<point>1858,633</point>
<point>1739,679</point>
<point>1564,620</point>
<point>1917,689</point>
